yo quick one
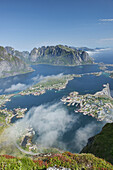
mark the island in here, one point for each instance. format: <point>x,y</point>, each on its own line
<point>99,105</point>
<point>48,83</point>
<point>56,83</point>
<point>105,68</point>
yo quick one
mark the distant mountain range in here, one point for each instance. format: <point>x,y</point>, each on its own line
<point>88,49</point>
<point>14,62</point>
<point>57,55</point>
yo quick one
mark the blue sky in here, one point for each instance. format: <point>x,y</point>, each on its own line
<point>25,24</point>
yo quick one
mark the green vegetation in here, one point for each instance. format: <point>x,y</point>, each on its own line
<point>2,122</point>
<point>101,145</point>
<point>55,82</point>
<point>67,160</point>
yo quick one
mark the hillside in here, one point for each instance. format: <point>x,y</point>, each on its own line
<point>11,65</point>
<point>67,160</point>
<point>59,55</point>
<point>101,145</point>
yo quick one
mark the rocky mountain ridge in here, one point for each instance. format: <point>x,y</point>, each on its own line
<point>59,55</point>
<point>22,55</point>
<point>55,55</point>
<point>11,65</point>
<point>14,62</point>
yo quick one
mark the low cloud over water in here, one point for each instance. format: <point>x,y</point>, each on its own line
<point>41,77</point>
<point>16,87</point>
<point>51,123</point>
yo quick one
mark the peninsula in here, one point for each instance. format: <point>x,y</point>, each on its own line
<point>99,105</point>
<point>56,83</point>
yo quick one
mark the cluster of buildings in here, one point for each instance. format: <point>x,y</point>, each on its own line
<point>39,88</point>
<point>19,112</point>
<point>26,140</point>
<point>99,105</point>
<point>4,99</point>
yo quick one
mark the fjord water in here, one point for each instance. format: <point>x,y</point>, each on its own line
<point>105,56</point>
<point>83,127</point>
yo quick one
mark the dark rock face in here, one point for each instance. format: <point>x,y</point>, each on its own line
<point>11,65</point>
<point>59,55</point>
<point>101,145</point>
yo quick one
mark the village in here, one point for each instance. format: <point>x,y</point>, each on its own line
<point>5,98</point>
<point>16,112</point>
<point>99,105</point>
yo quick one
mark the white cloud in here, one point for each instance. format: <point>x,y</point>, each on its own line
<point>49,121</point>
<point>52,122</point>
<point>106,39</point>
<point>16,87</point>
<point>106,20</point>
<point>84,133</point>
<point>91,53</point>
<point>41,77</point>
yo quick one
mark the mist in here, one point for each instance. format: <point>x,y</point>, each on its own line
<point>45,78</point>
<point>51,123</point>
<point>84,133</point>
<point>92,53</point>
<point>36,79</point>
<point>16,87</point>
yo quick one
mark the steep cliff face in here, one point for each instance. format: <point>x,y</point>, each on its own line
<point>59,55</point>
<point>24,55</point>
<point>101,145</point>
<point>11,65</point>
<point>56,55</point>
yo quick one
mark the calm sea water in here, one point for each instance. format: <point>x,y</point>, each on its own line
<point>85,84</point>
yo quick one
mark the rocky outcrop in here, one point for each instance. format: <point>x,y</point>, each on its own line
<point>101,145</point>
<point>11,65</point>
<point>24,55</point>
<point>59,55</point>
<point>55,55</point>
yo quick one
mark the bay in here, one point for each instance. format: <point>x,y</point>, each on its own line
<point>83,127</point>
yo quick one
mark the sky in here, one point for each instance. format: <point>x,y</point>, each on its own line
<point>25,24</point>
